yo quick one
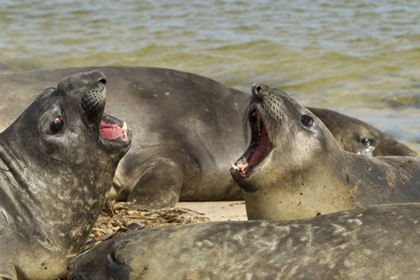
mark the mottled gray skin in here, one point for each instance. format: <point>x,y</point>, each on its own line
<point>356,136</point>
<point>306,172</point>
<point>188,130</point>
<point>379,242</point>
<point>54,178</point>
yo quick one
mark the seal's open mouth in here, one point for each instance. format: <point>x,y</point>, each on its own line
<point>112,129</point>
<point>259,147</point>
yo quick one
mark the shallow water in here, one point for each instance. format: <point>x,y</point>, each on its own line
<point>359,57</point>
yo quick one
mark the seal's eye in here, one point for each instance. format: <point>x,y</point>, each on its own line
<point>367,142</point>
<point>307,121</point>
<point>57,125</point>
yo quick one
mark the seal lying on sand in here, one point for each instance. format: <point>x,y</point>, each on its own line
<point>379,242</point>
<point>182,145</point>
<point>294,167</point>
<point>356,136</point>
<point>188,131</point>
<point>57,161</point>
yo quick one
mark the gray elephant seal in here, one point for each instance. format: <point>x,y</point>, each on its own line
<point>294,167</point>
<point>57,161</point>
<point>356,136</point>
<point>188,130</point>
<point>354,244</point>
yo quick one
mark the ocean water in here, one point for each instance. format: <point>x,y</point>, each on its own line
<point>359,57</point>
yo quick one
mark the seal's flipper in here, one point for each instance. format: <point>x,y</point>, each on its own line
<point>7,271</point>
<point>117,269</point>
<point>159,186</point>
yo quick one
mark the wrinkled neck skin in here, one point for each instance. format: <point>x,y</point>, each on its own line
<point>300,191</point>
<point>48,207</point>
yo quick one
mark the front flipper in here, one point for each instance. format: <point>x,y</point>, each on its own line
<point>7,271</point>
<point>159,185</point>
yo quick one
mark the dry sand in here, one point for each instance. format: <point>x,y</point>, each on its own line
<point>218,210</point>
<point>128,218</point>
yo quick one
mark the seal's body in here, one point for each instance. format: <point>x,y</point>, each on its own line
<point>57,161</point>
<point>187,131</point>
<point>375,243</point>
<point>294,167</point>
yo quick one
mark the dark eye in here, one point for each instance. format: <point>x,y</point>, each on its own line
<point>367,142</point>
<point>307,121</point>
<point>57,125</point>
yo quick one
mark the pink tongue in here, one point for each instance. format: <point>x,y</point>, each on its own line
<point>110,131</point>
<point>262,149</point>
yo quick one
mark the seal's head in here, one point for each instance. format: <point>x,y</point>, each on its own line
<point>58,158</point>
<point>62,120</point>
<point>358,137</point>
<point>284,135</point>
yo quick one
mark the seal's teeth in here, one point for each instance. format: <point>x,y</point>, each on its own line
<point>124,136</point>
<point>124,127</point>
<point>240,166</point>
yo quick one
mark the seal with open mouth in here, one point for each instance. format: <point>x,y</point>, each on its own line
<point>57,162</point>
<point>294,167</point>
<point>188,131</point>
<point>379,242</point>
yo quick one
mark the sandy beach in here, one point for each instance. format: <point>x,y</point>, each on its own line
<point>218,210</point>
<point>127,217</point>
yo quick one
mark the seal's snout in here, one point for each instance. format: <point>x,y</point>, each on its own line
<point>95,79</point>
<point>96,75</point>
<point>94,96</point>
<point>259,90</point>
<point>260,146</point>
<point>102,81</point>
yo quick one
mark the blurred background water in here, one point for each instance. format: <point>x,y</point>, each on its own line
<point>359,57</point>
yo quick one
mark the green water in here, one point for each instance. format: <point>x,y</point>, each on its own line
<point>359,57</point>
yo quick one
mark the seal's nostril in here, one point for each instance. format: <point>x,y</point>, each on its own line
<point>102,80</point>
<point>257,90</point>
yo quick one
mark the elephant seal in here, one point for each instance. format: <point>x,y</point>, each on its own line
<point>57,161</point>
<point>188,130</point>
<point>294,168</point>
<point>379,242</point>
<point>356,136</point>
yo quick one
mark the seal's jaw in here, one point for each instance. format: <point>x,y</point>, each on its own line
<point>259,148</point>
<point>89,89</point>
<point>113,133</point>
